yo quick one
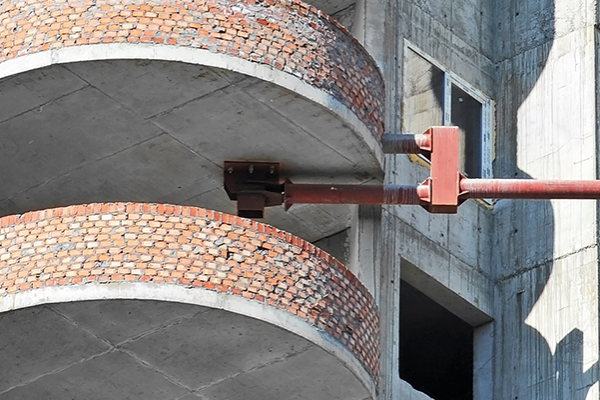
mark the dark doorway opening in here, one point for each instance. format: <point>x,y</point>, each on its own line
<point>436,348</point>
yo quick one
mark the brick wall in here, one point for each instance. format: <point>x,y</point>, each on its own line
<point>287,35</point>
<point>195,248</point>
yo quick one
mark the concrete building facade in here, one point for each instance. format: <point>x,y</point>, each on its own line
<point>125,273</point>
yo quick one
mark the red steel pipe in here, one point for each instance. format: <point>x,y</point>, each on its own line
<point>352,194</point>
<point>405,144</point>
<point>528,189</point>
<point>417,194</point>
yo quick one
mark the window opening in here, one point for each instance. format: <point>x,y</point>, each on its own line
<point>434,96</point>
<point>436,347</point>
<point>465,112</point>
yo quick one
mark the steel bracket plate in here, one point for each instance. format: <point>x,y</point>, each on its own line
<point>444,179</point>
<point>254,185</point>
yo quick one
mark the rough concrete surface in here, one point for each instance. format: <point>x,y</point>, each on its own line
<point>154,131</point>
<point>530,265</point>
<point>131,349</point>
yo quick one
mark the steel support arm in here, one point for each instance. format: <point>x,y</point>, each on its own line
<point>528,189</point>
<point>256,185</point>
<point>392,143</point>
<point>352,194</point>
<point>418,194</point>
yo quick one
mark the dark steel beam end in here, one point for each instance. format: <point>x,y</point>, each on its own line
<point>254,185</point>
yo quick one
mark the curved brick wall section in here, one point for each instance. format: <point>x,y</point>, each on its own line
<point>193,247</point>
<point>287,35</point>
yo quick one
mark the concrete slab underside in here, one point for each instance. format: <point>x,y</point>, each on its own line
<point>154,131</point>
<point>129,349</point>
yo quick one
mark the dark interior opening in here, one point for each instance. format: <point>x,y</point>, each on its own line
<point>436,348</point>
<point>466,114</point>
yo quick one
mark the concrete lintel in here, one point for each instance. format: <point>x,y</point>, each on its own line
<point>444,296</point>
<point>114,51</point>
<point>172,293</point>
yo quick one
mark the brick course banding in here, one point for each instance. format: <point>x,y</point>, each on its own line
<point>286,35</point>
<point>195,248</point>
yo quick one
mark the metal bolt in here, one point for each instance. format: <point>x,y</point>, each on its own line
<point>272,169</point>
<point>251,169</point>
<point>230,170</point>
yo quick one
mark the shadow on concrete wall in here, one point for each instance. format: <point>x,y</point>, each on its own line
<point>527,365</point>
<point>523,239</point>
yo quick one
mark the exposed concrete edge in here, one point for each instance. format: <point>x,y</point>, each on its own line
<point>459,305</point>
<point>119,51</point>
<point>197,296</point>
<point>409,393</point>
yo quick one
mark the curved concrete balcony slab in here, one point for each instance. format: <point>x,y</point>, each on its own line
<point>143,101</point>
<point>236,267</point>
<point>151,350</point>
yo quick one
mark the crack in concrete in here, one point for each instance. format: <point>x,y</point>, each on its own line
<point>149,366</point>
<point>58,370</point>
<point>41,106</point>
<point>173,379</point>
<point>188,147</point>
<point>179,106</point>
<point>74,323</point>
<point>533,47</point>
<point>257,367</point>
<point>545,263</point>
<point>196,395</point>
<point>70,171</point>
<point>341,10</point>
<point>89,85</point>
<point>131,339</point>
<point>150,118</point>
<point>118,348</point>
<point>185,145</point>
<point>157,329</point>
<point>287,119</point>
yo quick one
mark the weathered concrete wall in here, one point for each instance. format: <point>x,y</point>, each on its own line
<point>458,33</point>
<point>531,265</point>
<point>545,252</point>
<point>452,249</point>
<point>450,255</point>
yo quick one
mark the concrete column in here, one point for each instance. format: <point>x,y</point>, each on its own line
<point>365,248</point>
<point>371,19</point>
<point>389,297</point>
<point>389,257</point>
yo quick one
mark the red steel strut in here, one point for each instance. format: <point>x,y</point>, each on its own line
<point>442,192</point>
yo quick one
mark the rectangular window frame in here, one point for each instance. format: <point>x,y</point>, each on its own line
<point>487,106</point>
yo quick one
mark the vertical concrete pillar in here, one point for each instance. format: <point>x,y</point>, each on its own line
<point>389,297</point>
<point>483,371</point>
<point>371,19</point>
<point>366,246</point>
<point>389,258</point>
